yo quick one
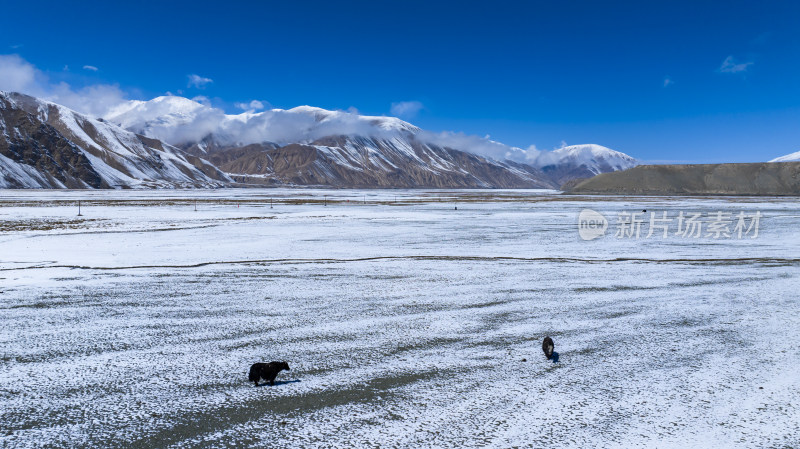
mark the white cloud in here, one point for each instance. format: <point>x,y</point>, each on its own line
<point>90,67</point>
<point>482,146</point>
<point>18,75</point>
<point>202,99</point>
<point>301,124</point>
<point>178,121</point>
<point>730,65</point>
<point>668,81</point>
<point>254,105</point>
<point>406,109</point>
<point>198,81</point>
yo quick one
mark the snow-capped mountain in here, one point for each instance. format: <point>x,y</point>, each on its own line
<point>180,121</point>
<point>312,146</point>
<point>45,145</point>
<point>788,158</point>
<point>347,149</point>
<point>581,161</point>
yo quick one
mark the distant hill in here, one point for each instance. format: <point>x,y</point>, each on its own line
<point>766,178</point>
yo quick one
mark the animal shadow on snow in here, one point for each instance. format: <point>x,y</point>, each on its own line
<point>279,382</point>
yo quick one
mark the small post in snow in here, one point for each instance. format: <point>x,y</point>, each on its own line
<point>326,200</point>
<point>79,208</point>
<point>195,205</point>
<point>270,203</point>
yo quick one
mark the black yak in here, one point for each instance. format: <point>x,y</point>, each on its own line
<point>547,347</point>
<point>266,371</point>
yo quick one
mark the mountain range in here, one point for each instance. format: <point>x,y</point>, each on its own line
<point>174,142</point>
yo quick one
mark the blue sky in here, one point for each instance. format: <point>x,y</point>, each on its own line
<point>673,81</point>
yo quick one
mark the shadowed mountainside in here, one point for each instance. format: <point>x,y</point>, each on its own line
<point>766,178</point>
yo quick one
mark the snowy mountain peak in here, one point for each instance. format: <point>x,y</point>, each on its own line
<point>164,105</point>
<point>165,110</point>
<point>382,122</point>
<point>788,158</point>
<point>595,157</point>
<point>596,151</point>
<point>581,161</point>
<point>179,121</point>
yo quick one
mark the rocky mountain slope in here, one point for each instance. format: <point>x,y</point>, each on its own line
<point>45,145</point>
<point>780,178</point>
<point>369,162</point>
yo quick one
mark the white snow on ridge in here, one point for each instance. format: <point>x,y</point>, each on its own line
<point>178,120</point>
<point>13,173</point>
<point>788,158</point>
<point>595,157</point>
<point>119,156</point>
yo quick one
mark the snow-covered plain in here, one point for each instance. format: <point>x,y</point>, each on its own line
<point>404,320</point>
